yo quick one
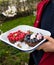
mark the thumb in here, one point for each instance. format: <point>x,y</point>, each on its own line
<point>49,38</point>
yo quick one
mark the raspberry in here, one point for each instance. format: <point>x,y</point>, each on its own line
<point>16,38</point>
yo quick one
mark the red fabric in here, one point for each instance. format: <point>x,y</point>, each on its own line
<point>40,7</point>
<point>48,58</point>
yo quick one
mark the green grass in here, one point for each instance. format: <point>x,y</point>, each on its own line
<point>8,54</point>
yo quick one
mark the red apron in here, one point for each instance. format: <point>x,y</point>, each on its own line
<point>48,57</point>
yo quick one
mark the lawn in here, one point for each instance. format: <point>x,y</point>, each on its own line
<point>8,54</point>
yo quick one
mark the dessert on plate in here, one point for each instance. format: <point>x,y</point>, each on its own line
<point>28,37</point>
<point>16,36</point>
<point>33,39</point>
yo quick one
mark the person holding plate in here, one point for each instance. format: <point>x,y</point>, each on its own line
<point>44,54</point>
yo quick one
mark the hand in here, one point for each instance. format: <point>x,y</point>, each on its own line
<point>47,46</point>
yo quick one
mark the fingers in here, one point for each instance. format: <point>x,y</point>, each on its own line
<point>49,38</point>
<point>47,46</point>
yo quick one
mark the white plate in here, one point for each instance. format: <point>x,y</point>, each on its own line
<point>24,28</point>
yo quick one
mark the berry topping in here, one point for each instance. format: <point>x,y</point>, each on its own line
<point>16,36</point>
<point>33,39</point>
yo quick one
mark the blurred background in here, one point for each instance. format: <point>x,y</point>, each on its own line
<point>12,14</point>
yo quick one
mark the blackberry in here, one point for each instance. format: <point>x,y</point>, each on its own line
<point>27,38</point>
<point>34,40</point>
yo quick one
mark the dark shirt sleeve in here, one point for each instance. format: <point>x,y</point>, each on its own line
<point>47,20</point>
